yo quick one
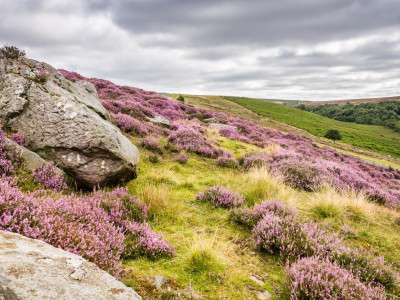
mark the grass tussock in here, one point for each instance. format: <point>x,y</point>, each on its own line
<point>156,197</point>
<point>346,203</point>
<point>204,258</point>
<point>260,184</point>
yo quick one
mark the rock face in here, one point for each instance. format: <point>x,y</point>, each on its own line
<point>65,122</point>
<point>32,269</point>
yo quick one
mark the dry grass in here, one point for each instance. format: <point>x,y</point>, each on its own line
<point>156,197</point>
<point>346,203</point>
<point>260,184</point>
<point>204,256</point>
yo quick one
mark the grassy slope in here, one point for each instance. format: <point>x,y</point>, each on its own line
<point>374,138</point>
<point>219,103</point>
<point>227,257</point>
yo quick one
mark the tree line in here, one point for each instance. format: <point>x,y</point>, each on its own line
<point>380,113</point>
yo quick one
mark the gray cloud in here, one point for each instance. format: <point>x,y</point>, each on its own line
<point>309,49</point>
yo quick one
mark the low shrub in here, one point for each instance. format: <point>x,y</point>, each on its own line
<point>227,162</point>
<point>250,218</point>
<point>19,138</point>
<point>8,159</point>
<point>150,144</point>
<point>253,160</point>
<point>302,176</point>
<point>221,197</point>
<point>314,278</point>
<point>100,226</point>
<point>12,52</point>
<point>154,159</point>
<point>185,138</point>
<point>141,240</point>
<point>41,77</point>
<point>46,175</point>
<point>279,231</point>
<point>229,132</point>
<point>181,158</point>
<point>129,124</point>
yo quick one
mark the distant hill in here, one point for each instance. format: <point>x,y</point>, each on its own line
<point>354,101</point>
<point>370,137</point>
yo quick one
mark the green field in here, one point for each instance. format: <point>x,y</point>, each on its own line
<point>369,137</point>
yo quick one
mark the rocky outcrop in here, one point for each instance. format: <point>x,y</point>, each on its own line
<point>32,269</point>
<point>65,122</point>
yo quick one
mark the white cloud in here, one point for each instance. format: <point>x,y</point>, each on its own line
<point>322,50</point>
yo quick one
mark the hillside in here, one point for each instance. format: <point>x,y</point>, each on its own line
<point>353,101</point>
<point>368,137</point>
<point>386,113</point>
<point>222,207</point>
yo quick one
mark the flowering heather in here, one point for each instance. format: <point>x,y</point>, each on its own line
<point>150,144</point>
<point>19,138</point>
<point>73,76</point>
<point>47,176</point>
<point>181,158</point>
<point>250,217</point>
<point>253,160</point>
<point>141,240</point>
<point>185,138</point>
<point>101,226</point>
<point>314,278</point>
<point>229,132</point>
<point>303,164</point>
<point>227,162</point>
<point>129,124</point>
<point>221,197</point>
<point>276,229</point>
<point>8,159</point>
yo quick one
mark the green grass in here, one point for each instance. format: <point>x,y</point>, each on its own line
<point>373,138</point>
<point>215,257</point>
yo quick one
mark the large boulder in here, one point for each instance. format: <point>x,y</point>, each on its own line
<point>33,269</point>
<point>65,122</point>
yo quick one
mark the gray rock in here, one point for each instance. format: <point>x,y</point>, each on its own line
<point>160,120</point>
<point>219,125</point>
<point>32,269</point>
<point>65,122</point>
<point>159,281</point>
<point>30,159</point>
<point>210,120</point>
<point>257,280</point>
<point>264,295</point>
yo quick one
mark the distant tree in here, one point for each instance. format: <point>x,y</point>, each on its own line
<point>302,106</point>
<point>11,52</point>
<point>397,126</point>
<point>180,98</point>
<point>333,134</point>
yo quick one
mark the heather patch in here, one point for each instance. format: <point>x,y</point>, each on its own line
<point>151,144</point>
<point>220,197</point>
<point>315,278</point>
<point>102,226</point>
<point>47,176</point>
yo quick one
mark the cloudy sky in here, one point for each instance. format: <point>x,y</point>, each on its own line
<point>286,49</point>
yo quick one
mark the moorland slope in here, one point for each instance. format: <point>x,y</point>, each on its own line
<point>245,211</point>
